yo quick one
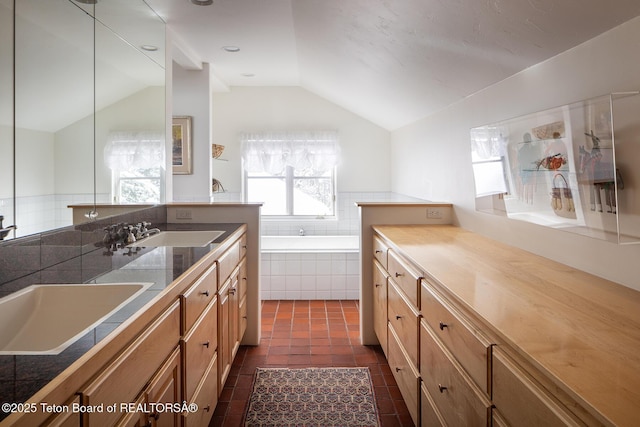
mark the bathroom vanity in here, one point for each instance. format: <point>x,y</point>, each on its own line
<point>174,344</point>
<point>479,333</point>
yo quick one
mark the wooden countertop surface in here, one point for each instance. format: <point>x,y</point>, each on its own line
<point>581,330</point>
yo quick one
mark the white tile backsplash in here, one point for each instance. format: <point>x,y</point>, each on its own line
<point>310,276</point>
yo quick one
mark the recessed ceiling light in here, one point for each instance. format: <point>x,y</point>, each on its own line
<point>202,2</point>
<point>149,48</point>
<point>87,1</point>
<point>231,49</point>
<point>248,75</point>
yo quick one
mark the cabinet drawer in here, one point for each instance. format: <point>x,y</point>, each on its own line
<point>123,379</point>
<point>198,296</point>
<point>199,347</point>
<point>206,397</point>
<point>406,376</point>
<point>519,398</point>
<point>405,276</point>
<point>380,317</point>
<point>459,401</point>
<point>405,321</point>
<point>380,251</point>
<point>429,415</point>
<point>228,262</point>
<point>469,347</point>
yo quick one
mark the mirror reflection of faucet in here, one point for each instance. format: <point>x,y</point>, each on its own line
<point>4,231</point>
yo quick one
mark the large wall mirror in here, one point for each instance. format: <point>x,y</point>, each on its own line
<point>83,73</point>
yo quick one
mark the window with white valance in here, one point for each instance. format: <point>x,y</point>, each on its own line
<point>291,173</point>
<point>137,161</point>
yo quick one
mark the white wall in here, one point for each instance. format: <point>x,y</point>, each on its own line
<point>364,145</point>
<point>431,158</point>
<point>192,97</point>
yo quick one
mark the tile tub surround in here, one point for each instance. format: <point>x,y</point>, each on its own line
<point>309,276</point>
<point>22,376</point>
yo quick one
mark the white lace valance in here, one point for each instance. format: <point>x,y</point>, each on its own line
<point>271,152</point>
<point>134,150</point>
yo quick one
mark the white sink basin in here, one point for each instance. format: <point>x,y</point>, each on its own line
<point>178,239</point>
<point>46,319</point>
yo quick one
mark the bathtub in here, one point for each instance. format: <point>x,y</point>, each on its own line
<point>310,267</point>
<point>309,244</point>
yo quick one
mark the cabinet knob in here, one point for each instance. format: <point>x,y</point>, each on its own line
<point>398,317</point>
<point>207,408</point>
<point>441,388</point>
<point>443,325</point>
<point>206,344</point>
<point>205,293</point>
<point>378,285</point>
<point>398,369</point>
<point>399,274</point>
<point>232,291</point>
<point>378,251</point>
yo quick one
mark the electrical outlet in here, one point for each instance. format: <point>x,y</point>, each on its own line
<point>433,213</point>
<point>183,213</point>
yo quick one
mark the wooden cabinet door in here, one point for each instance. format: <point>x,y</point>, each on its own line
<point>380,305</point>
<point>224,352</point>
<point>234,316</point>
<point>165,388</point>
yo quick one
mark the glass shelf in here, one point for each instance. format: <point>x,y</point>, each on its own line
<point>571,167</point>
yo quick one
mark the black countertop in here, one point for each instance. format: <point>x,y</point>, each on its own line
<point>21,376</point>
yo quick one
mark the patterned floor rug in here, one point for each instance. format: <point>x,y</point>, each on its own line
<point>312,397</point>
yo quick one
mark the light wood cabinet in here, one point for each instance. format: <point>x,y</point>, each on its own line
<point>232,308</point>
<point>405,276</point>
<point>123,379</point>
<point>224,335</point>
<point>380,250</point>
<point>395,291</point>
<point>199,348</point>
<point>165,389</point>
<point>380,313</point>
<point>457,398</point>
<point>195,299</point>
<point>521,401</point>
<point>471,349</point>
<point>506,338</point>
<point>405,374</point>
<point>404,318</point>
<point>429,414</point>
<point>205,397</point>
<point>66,419</point>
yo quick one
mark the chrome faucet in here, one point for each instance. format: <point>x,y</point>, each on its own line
<point>4,231</point>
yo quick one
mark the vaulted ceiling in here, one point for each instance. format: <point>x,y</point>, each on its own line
<point>390,61</point>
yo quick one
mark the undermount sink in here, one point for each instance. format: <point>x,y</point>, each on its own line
<point>46,319</point>
<point>178,239</point>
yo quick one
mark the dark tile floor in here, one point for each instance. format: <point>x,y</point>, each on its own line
<point>298,334</point>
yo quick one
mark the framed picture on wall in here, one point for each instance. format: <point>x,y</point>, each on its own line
<point>181,146</point>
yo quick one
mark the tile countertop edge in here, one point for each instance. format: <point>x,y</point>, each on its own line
<point>468,283</point>
<point>79,372</point>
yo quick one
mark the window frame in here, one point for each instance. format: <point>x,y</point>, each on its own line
<point>289,179</point>
<point>117,179</point>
